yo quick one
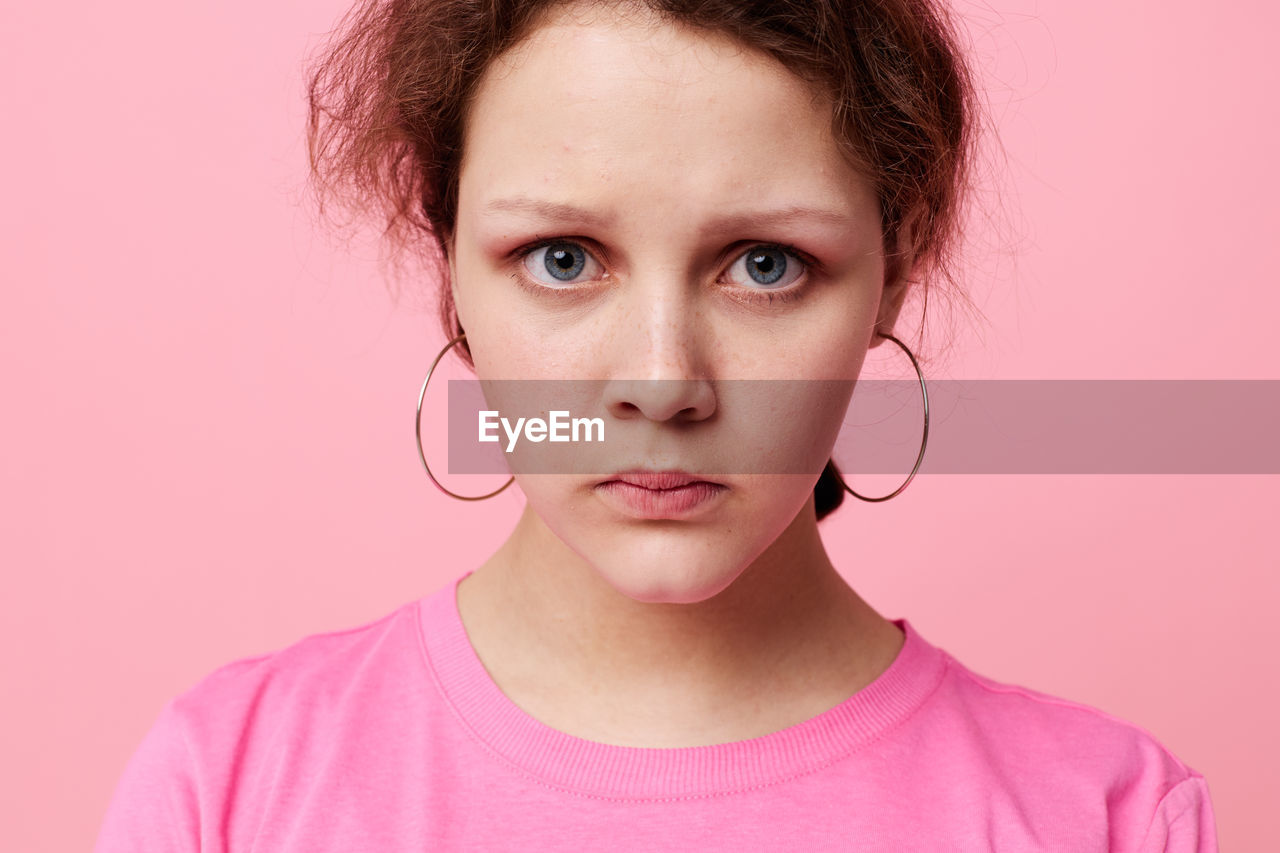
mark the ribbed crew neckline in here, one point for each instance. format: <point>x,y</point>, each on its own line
<point>644,773</point>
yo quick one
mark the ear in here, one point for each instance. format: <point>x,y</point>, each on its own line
<point>896,288</point>
<point>451,259</point>
<point>891,300</point>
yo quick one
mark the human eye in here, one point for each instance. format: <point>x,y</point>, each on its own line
<point>767,271</point>
<point>558,264</point>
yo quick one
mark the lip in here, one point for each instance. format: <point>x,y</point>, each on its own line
<point>647,478</point>
<point>666,494</point>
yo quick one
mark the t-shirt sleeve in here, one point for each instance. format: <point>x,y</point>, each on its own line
<point>1183,821</point>
<point>155,804</point>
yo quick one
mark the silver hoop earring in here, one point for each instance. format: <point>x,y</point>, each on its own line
<point>924,440</point>
<point>418,432</point>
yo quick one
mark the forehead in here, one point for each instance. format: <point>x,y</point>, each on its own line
<point>599,106</point>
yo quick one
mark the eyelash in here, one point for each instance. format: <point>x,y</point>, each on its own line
<point>758,296</point>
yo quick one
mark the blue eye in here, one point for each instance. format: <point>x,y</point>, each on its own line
<point>768,267</point>
<point>764,272</point>
<point>563,261</point>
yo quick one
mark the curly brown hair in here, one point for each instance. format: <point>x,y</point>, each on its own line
<point>388,99</point>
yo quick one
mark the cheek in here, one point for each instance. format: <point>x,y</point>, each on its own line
<point>836,345</point>
<point>501,345</point>
<point>498,355</point>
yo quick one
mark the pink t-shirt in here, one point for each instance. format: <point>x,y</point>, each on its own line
<point>392,736</point>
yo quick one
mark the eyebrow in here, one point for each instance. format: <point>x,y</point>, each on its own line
<point>562,211</point>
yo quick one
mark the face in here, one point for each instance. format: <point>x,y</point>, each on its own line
<point>660,210</point>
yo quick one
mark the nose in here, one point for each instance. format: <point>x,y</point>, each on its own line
<point>658,359</point>
<point>680,400</point>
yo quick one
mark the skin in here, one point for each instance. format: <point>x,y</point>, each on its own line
<point>732,623</point>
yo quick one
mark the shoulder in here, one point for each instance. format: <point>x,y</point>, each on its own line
<point>1053,748</point>
<point>210,760</point>
<point>309,677</point>
<point>1047,725</point>
<point>300,708</point>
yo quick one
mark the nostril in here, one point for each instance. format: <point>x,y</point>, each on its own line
<point>681,400</point>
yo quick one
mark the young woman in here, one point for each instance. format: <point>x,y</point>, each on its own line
<point>662,197</point>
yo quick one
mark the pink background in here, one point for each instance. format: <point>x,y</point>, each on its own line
<point>207,428</point>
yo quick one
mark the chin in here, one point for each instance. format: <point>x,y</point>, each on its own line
<point>669,561</point>
<point>666,583</point>
<point>664,591</point>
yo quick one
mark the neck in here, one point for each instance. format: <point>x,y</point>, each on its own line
<point>788,637</point>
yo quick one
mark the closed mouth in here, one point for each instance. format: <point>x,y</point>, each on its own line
<point>658,480</point>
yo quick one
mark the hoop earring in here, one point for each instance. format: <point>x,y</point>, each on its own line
<point>924,440</point>
<point>418,432</point>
